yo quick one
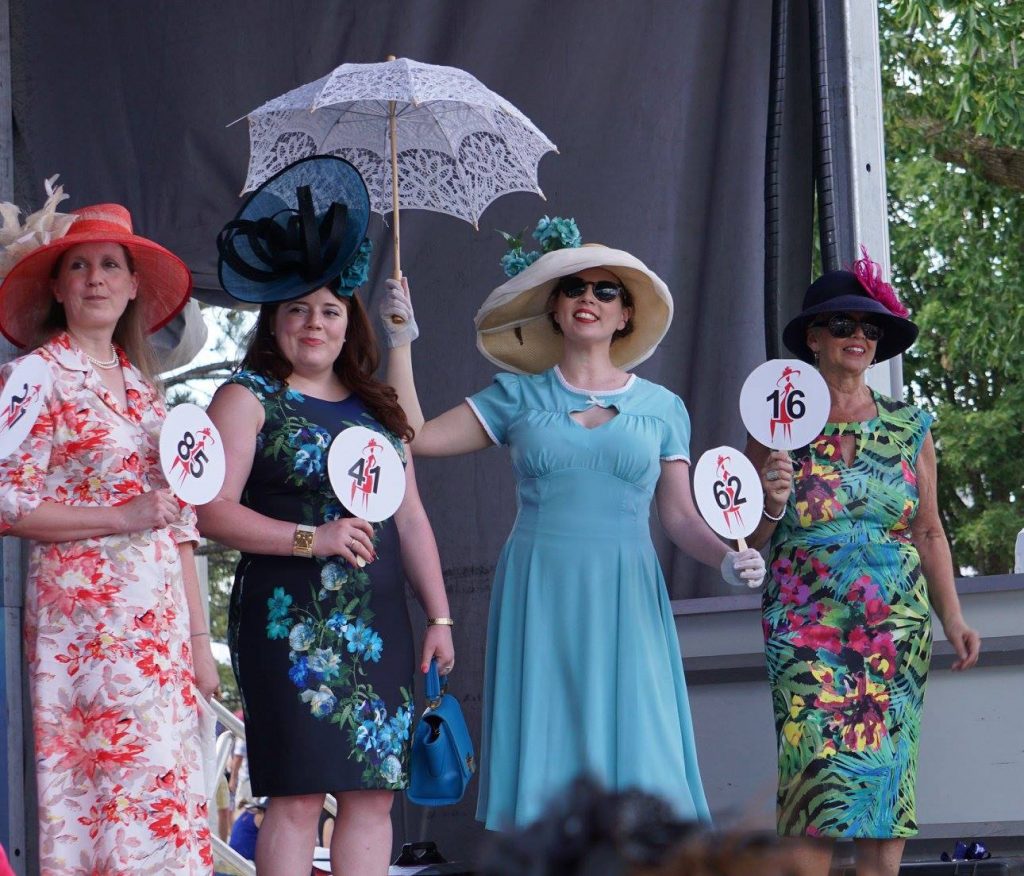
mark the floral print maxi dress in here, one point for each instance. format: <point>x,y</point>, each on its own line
<point>322,650</point>
<point>847,629</point>
<point>117,747</point>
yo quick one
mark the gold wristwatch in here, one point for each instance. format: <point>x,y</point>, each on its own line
<point>302,541</point>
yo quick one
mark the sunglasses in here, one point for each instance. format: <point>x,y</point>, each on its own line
<point>843,326</point>
<point>604,291</point>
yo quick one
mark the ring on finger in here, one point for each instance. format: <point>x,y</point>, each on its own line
<point>773,475</point>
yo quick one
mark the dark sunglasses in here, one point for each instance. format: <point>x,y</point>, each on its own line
<point>604,291</point>
<point>843,326</point>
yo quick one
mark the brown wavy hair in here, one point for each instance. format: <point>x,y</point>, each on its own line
<point>355,365</point>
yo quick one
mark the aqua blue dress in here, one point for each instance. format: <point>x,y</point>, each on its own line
<point>583,671</point>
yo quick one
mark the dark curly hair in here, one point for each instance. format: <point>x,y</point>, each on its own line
<point>355,365</point>
<point>593,832</point>
<point>627,301</point>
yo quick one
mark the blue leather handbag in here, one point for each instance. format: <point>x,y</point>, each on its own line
<point>442,759</point>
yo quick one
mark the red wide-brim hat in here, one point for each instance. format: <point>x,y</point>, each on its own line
<point>165,281</point>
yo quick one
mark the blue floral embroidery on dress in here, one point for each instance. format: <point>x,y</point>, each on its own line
<point>332,641</point>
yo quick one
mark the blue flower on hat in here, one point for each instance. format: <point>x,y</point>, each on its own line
<point>557,233</point>
<point>516,261</point>
<point>358,270</point>
<point>552,233</point>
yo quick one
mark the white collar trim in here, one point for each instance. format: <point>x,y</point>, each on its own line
<point>593,392</point>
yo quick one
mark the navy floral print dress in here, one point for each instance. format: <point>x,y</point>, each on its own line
<point>322,650</point>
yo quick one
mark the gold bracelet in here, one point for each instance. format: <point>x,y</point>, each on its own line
<point>440,622</point>
<point>302,541</point>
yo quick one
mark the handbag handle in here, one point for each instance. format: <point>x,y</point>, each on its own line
<point>434,686</point>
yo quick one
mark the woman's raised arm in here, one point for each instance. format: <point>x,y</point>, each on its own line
<point>454,432</point>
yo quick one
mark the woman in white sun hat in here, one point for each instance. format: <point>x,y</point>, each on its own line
<point>592,445</point>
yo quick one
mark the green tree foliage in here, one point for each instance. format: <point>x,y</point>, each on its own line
<point>954,95</point>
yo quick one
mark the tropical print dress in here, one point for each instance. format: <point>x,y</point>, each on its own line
<point>322,650</point>
<point>847,629</point>
<point>117,748</point>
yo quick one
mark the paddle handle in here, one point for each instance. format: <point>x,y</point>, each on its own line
<point>395,228</point>
<point>741,543</point>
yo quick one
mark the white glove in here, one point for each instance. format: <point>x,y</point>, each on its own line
<point>743,567</point>
<point>397,304</point>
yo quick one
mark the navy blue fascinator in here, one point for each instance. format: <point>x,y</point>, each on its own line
<point>297,232</point>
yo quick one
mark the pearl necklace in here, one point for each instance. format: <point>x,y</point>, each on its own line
<point>110,363</point>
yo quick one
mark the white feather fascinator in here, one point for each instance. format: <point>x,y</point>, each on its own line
<point>42,227</point>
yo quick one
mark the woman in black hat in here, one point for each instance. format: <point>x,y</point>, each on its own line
<point>858,561</point>
<point>318,628</point>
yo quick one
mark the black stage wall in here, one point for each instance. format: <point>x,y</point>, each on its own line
<point>658,108</point>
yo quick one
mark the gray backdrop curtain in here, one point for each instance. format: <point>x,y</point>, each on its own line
<point>658,108</point>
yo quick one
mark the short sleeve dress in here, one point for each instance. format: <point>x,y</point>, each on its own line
<point>322,650</point>
<point>114,711</point>
<point>847,628</point>
<point>583,670</point>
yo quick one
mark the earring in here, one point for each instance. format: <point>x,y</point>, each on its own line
<point>815,358</point>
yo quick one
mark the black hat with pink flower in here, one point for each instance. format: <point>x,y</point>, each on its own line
<point>861,289</point>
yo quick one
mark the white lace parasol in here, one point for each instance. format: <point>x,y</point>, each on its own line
<point>459,145</point>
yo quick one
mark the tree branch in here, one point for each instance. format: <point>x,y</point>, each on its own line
<point>202,371</point>
<point>1000,165</point>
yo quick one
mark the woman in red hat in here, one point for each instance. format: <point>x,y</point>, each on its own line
<point>117,643</point>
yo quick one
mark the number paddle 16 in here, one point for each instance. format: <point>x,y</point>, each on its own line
<point>728,493</point>
<point>784,404</point>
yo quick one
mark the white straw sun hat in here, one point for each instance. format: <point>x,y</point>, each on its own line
<point>513,329</point>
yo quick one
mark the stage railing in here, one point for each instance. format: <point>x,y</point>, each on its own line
<point>225,858</point>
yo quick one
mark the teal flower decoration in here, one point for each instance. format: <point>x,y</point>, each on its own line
<point>515,261</point>
<point>278,604</point>
<point>277,628</point>
<point>552,232</point>
<point>557,233</point>
<point>327,663</point>
<point>358,270</point>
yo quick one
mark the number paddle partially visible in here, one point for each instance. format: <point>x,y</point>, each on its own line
<point>728,493</point>
<point>192,454</point>
<point>21,401</point>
